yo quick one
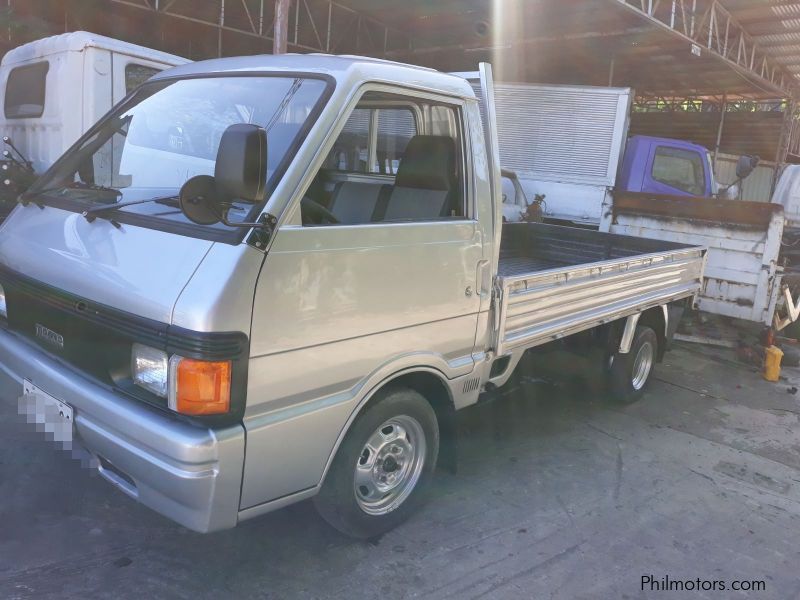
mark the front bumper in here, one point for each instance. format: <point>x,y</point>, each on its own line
<point>189,474</point>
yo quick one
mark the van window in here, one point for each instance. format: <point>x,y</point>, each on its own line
<point>396,127</point>
<point>136,75</point>
<point>351,150</point>
<point>373,140</point>
<point>397,159</point>
<point>25,91</point>
<point>681,169</point>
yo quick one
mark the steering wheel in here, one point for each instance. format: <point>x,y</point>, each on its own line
<point>315,214</point>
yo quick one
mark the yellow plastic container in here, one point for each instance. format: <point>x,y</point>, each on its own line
<point>772,363</point>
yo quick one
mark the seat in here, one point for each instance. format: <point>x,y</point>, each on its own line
<point>354,202</point>
<point>425,186</point>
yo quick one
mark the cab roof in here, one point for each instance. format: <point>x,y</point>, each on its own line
<point>638,138</point>
<point>77,41</point>
<point>341,68</point>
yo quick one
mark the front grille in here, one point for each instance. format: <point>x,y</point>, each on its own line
<point>87,337</point>
<point>96,339</point>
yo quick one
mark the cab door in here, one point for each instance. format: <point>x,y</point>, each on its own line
<point>385,283</point>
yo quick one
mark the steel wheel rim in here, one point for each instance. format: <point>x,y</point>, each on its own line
<point>389,465</point>
<point>642,365</point>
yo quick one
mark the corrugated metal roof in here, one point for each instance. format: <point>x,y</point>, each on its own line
<point>669,48</point>
<point>742,48</point>
<point>775,26</point>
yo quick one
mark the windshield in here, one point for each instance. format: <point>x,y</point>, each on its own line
<point>168,132</point>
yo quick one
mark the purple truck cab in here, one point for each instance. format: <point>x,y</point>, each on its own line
<point>666,166</point>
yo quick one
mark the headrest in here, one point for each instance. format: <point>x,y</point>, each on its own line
<point>429,163</point>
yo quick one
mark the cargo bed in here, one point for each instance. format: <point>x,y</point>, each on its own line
<point>554,281</point>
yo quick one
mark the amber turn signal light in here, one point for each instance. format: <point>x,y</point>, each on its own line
<point>199,387</point>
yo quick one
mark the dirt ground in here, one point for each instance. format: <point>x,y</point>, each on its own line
<point>558,494</point>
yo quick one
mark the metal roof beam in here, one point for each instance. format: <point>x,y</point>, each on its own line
<point>302,9</point>
<point>522,41</point>
<point>708,25</point>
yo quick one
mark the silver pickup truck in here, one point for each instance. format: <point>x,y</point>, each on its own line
<point>264,279</point>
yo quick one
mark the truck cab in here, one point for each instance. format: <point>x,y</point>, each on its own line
<point>666,166</point>
<point>55,88</point>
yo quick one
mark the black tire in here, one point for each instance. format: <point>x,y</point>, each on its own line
<point>626,382</point>
<point>345,507</point>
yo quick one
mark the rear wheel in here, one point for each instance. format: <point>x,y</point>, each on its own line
<point>630,373</point>
<point>382,469</point>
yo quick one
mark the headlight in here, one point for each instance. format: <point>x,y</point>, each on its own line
<point>150,368</point>
<point>3,308</point>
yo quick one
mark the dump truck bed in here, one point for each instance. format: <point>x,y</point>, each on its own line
<point>554,281</point>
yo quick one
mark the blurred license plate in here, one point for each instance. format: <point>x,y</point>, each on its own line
<point>50,415</point>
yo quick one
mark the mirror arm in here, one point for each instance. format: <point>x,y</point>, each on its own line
<point>262,229</point>
<point>725,188</point>
<point>266,222</point>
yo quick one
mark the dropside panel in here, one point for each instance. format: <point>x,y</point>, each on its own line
<point>557,281</point>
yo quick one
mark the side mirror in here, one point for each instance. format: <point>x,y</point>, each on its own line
<point>241,169</point>
<point>746,165</point>
<point>199,201</point>
<point>240,174</point>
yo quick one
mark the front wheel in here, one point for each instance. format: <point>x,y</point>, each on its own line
<point>383,467</point>
<point>630,373</point>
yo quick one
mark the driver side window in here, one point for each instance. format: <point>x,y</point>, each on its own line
<point>397,159</point>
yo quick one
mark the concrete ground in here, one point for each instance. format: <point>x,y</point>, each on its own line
<point>558,495</point>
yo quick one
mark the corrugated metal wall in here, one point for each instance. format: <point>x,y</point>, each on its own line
<point>743,132</point>
<point>757,187</point>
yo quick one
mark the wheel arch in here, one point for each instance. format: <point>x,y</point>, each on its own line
<point>657,319</point>
<point>432,385</point>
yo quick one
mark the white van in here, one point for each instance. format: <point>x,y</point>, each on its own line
<point>55,88</point>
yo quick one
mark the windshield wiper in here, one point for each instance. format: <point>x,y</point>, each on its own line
<point>92,187</point>
<point>28,196</point>
<point>90,214</point>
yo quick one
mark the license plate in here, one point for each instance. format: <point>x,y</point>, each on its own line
<point>50,415</point>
